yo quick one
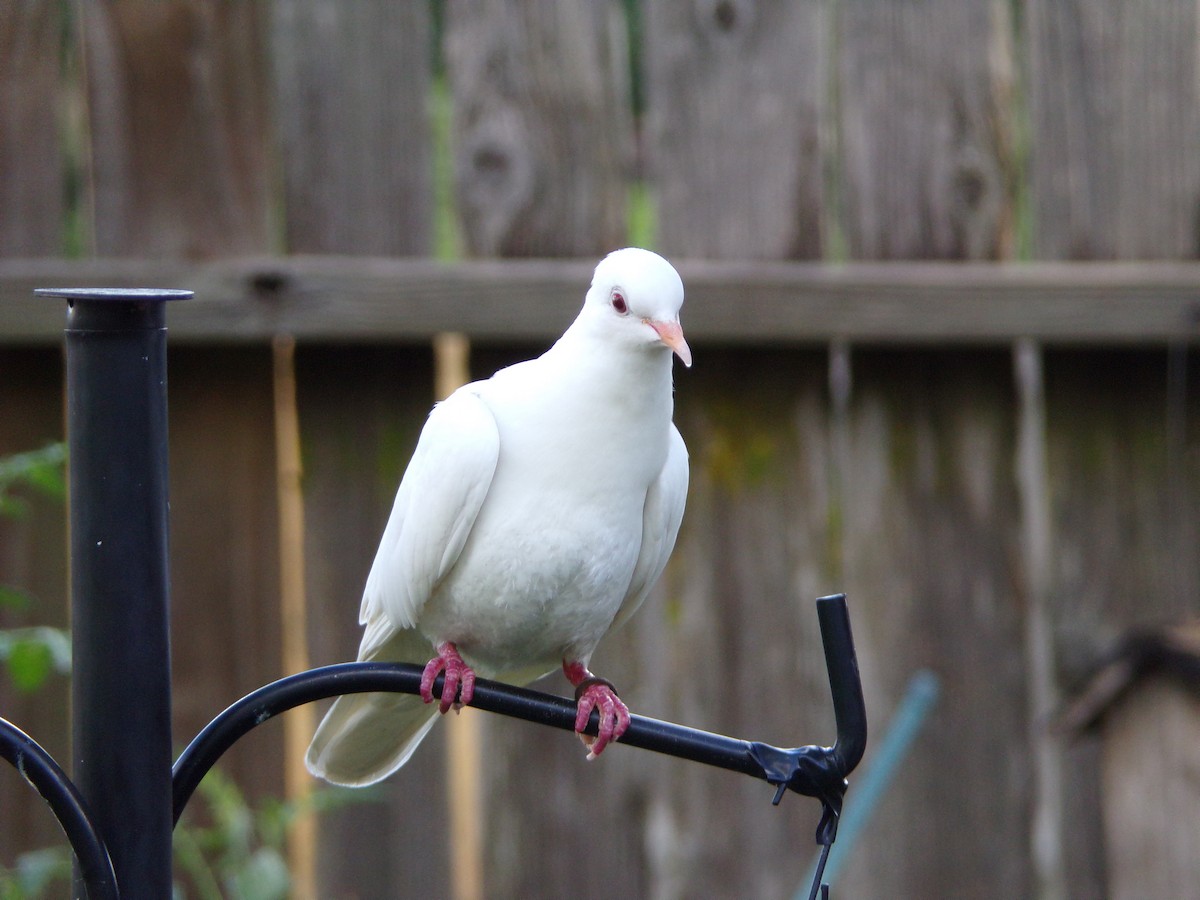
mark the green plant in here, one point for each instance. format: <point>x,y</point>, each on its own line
<point>225,847</point>
<point>240,850</point>
<point>30,655</point>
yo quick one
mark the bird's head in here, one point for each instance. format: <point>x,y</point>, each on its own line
<point>635,297</point>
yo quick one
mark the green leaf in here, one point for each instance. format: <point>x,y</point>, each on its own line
<point>11,598</point>
<point>30,662</point>
<point>35,873</point>
<point>264,876</point>
<point>41,470</point>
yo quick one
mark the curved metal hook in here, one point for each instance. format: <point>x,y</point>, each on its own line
<point>812,771</point>
<point>821,771</point>
<point>48,779</point>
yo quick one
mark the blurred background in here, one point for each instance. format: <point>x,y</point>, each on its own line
<point>942,296</point>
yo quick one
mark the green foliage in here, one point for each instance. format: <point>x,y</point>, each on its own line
<point>39,470</point>
<point>238,851</point>
<point>240,854</point>
<point>30,655</point>
<point>36,874</point>
<point>447,232</point>
<point>642,216</point>
<point>241,850</point>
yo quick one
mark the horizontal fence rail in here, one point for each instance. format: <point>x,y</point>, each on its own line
<point>338,298</point>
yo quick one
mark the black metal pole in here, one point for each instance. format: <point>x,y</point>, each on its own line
<point>121,694</point>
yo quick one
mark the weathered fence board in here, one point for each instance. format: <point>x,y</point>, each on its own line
<point>738,96</point>
<point>351,84</point>
<point>177,101</point>
<point>1115,107</point>
<point>925,126</point>
<point>541,125</point>
<point>32,197</point>
<point>929,532</point>
<point>225,617</point>
<point>853,426</point>
<point>356,445</point>
<point>375,299</point>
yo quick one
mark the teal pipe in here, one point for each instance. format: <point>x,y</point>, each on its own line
<point>919,699</point>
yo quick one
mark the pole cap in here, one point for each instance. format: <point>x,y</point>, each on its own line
<point>141,295</point>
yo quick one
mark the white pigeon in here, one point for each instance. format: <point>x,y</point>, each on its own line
<point>538,510</point>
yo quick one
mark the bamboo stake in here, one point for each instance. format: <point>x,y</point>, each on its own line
<point>451,352</point>
<point>298,724</point>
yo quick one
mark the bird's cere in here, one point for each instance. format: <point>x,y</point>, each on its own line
<point>671,334</point>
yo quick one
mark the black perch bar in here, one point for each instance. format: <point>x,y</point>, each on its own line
<point>812,771</point>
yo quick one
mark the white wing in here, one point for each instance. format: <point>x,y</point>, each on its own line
<point>660,526</point>
<point>436,506</point>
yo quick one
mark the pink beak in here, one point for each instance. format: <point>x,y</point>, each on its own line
<point>671,334</point>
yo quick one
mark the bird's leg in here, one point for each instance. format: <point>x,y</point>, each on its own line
<point>596,693</point>
<point>459,686</point>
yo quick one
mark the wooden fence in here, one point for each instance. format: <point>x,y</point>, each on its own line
<point>941,288</point>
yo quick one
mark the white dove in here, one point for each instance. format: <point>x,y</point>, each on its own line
<point>538,510</point>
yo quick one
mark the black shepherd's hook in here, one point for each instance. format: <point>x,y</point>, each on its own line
<point>812,771</point>
<point>117,438</point>
<point>48,779</point>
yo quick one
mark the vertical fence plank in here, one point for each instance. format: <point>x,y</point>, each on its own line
<point>738,100</point>
<point>930,518</point>
<point>351,82</point>
<point>178,127</point>
<point>925,155</point>
<point>542,126</point>
<point>1114,98</point>
<point>361,412</point>
<point>31,178</point>
<point>224,549</point>
<point>1037,553</point>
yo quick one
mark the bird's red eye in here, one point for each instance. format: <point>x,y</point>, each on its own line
<point>618,302</point>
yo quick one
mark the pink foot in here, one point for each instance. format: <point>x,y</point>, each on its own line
<point>596,693</point>
<point>459,686</point>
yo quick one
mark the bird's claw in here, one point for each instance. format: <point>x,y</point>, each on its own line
<point>598,694</point>
<point>459,686</point>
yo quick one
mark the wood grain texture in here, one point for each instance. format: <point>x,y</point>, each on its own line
<point>925,129</point>
<point>929,528</point>
<point>351,86</point>
<point>913,511</point>
<point>224,549</point>
<point>1150,811</point>
<point>542,125</point>
<point>390,841</point>
<point>177,105</point>
<point>32,197</point>
<point>767,303</point>
<point>1115,111</point>
<point>737,133</point>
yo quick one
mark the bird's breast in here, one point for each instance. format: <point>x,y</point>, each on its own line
<point>541,577</point>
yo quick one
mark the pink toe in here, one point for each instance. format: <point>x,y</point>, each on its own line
<point>459,686</point>
<point>614,716</point>
<point>432,668</point>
